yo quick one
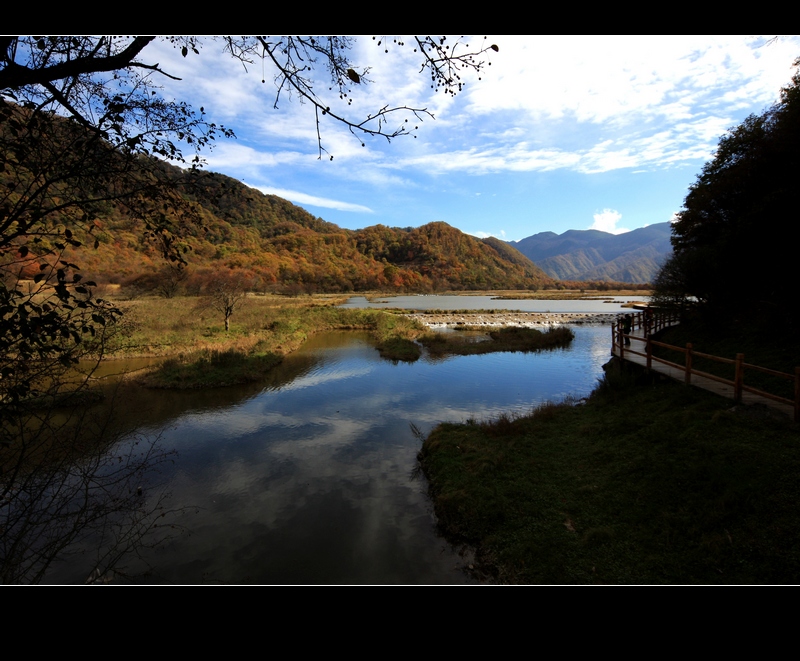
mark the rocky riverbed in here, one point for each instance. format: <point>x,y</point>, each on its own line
<point>506,318</point>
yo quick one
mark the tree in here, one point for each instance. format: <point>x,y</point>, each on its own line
<point>228,294</point>
<point>730,247</point>
<point>95,493</point>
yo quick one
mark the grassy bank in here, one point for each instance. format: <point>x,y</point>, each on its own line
<point>202,354</point>
<point>211,368</point>
<point>503,339</point>
<point>644,483</point>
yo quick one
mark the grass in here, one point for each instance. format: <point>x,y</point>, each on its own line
<point>211,368</point>
<point>504,339</point>
<point>266,328</point>
<point>644,483</point>
<point>202,354</point>
<point>399,349</point>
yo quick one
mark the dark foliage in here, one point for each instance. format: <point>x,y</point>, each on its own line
<point>728,251</point>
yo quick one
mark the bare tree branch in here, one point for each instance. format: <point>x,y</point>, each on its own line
<point>14,76</point>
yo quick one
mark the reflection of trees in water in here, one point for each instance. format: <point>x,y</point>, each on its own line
<point>78,480</point>
<point>70,485</point>
<point>71,471</point>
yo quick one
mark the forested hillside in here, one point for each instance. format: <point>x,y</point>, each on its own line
<point>225,230</point>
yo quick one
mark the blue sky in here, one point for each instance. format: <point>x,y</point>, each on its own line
<point>560,132</point>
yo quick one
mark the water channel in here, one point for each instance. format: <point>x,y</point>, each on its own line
<point>307,478</point>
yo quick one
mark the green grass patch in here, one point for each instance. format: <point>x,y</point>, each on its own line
<point>644,483</point>
<point>399,349</point>
<point>210,368</point>
<point>203,355</point>
<point>504,339</point>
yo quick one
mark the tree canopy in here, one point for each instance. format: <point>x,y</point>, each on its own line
<point>734,248</point>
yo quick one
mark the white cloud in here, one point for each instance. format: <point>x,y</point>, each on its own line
<point>304,198</point>
<point>478,161</point>
<point>606,221</point>
<point>598,78</point>
<point>229,156</point>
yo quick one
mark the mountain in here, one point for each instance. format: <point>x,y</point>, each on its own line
<point>230,230</point>
<point>437,256</point>
<point>634,256</point>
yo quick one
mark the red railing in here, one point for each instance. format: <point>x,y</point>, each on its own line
<point>653,322</point>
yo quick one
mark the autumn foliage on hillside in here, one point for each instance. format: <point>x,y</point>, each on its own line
<point>273,245</point>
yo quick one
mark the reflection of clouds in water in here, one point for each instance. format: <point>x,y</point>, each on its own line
<point>219,426</point>
<point>323,463</point>
<point>250,417</point>
<point>245,500</point>
<point>325,376</point>
<point>320,438</point>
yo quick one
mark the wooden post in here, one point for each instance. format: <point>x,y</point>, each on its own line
<point>688,376</point>
<point>797,394</point>
<point>649,350</point>
<point>621,342</point>
<point>613,337</point>
<point>738,378</point>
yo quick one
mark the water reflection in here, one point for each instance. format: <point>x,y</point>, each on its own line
<point>307,478</point>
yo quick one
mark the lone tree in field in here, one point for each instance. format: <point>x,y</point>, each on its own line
<point>227,296</point>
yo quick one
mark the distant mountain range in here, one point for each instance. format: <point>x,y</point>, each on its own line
<point>634,256</point>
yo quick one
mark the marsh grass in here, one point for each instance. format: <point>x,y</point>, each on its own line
<point>644,483</point>
<point>211,368</point>
<point>399,349</point>
<point>266,328</point>
<point>504,339</point>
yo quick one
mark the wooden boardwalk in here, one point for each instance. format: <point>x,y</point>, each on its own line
<point>639,352</point>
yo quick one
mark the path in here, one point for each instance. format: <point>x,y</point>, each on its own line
<point>635,354</point>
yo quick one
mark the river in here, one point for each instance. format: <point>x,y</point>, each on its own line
<point>308,477</point>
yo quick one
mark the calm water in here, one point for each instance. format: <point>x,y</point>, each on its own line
<point>308,478</point>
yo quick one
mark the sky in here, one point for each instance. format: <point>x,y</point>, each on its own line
<point>559,133</point>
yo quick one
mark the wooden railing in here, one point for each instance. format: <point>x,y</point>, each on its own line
<point>652,323</point>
